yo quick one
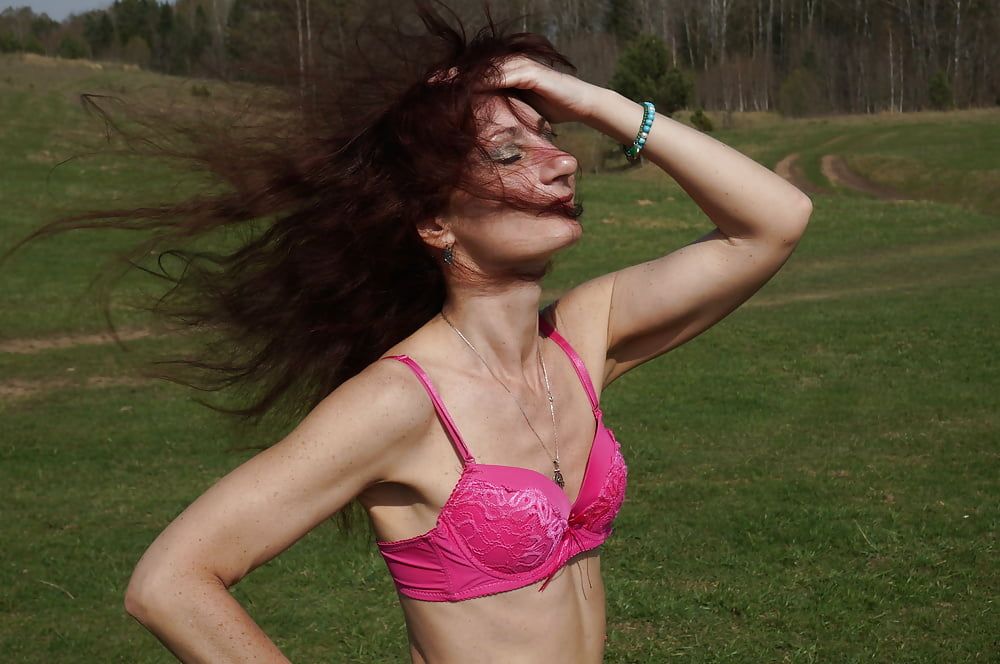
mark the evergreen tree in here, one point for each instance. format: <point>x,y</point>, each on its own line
<point>237,17</point>
<point>71,48</point>
<point>165,23</point>
<point>643,72</point>
<point>800,94</point>
<point>9,43</point>
<point>202,37</point>
<point>620,20</point>
<point>33,45</point>
<point>135,18</point>
<point>164,30</point>
<point>940,93</point>
<point>179,46</point>
<point>99,32</point>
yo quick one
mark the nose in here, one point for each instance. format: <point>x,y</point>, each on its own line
<point>559,164</point>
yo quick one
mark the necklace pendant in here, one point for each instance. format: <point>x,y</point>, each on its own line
<point>557,476</point>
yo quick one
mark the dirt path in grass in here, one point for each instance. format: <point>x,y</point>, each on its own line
<point>790,169</point>
<point>31,345</point>
<point>20,388</point>
<point>839,174</point>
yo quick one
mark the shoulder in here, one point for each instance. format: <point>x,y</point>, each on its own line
<point>384,406</point>
<point>385,391</point>
<point>581,316</point>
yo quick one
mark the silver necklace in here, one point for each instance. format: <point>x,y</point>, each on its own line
<point>557,473</point>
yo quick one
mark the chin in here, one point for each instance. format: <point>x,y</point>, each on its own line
<point>577,229</point>
<point>570,234</point>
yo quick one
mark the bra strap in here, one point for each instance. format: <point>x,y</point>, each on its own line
<point>581,368</point>
<point>442,412</point>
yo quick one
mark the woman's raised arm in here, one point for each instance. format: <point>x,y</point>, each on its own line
<point>662,303</point>
<point>179,589</point>
<point>641,311</point>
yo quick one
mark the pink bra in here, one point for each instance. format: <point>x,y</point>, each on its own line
<point>506,527</point>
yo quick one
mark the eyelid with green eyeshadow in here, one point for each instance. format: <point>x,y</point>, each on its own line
<point>508,155</point>
<point>505,155</point>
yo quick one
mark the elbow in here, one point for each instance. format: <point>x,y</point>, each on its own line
<point>149,593</point>
<point>162,591</point>
<point>135,607</point>
<point>797,223</point>
<point>806,210</point>
<point>140,598</point>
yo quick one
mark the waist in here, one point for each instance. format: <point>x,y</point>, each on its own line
<point>566,623</point>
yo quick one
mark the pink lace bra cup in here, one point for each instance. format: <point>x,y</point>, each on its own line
<point>506,527</point>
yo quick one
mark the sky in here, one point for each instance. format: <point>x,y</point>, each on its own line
<point>57,9</point>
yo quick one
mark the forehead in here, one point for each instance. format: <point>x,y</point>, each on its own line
<point>498,113</point>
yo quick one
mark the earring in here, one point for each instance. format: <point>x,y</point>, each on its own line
<point>449,255</point>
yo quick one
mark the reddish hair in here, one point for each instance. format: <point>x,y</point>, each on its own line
<point>327,188</point>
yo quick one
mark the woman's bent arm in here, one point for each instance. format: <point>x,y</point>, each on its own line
<point>208,626</point>
<point>179,589</point>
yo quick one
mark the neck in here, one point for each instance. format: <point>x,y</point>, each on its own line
<point>503,327</point>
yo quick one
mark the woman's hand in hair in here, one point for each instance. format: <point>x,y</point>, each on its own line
<point>558,96</point>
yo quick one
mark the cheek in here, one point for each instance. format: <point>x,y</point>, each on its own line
<point>518,180</point>
<point>523,174</point>
<point>502,234</point>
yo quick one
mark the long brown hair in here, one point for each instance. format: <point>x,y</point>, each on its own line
<point>325,188</point>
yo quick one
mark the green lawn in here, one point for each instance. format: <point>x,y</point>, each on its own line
<point>812,480</point>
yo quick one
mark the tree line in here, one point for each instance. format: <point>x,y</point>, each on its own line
<point>799,57</point>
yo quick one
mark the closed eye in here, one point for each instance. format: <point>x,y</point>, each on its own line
<point>506,155</point>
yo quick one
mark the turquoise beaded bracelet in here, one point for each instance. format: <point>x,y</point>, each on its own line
<point>648,114</point>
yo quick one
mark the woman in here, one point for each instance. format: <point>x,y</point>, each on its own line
<point>474,441</point>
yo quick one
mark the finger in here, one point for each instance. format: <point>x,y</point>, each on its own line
<point>518,69</point>
<point>443,77</point>
<point>512,75</point>
<point>537,102</point>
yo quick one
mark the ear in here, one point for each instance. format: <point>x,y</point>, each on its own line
<point>436,232</point>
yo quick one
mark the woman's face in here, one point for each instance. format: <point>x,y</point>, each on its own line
<point>522,162</point>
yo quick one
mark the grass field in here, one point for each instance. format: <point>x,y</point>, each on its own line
<point>812,480</point>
